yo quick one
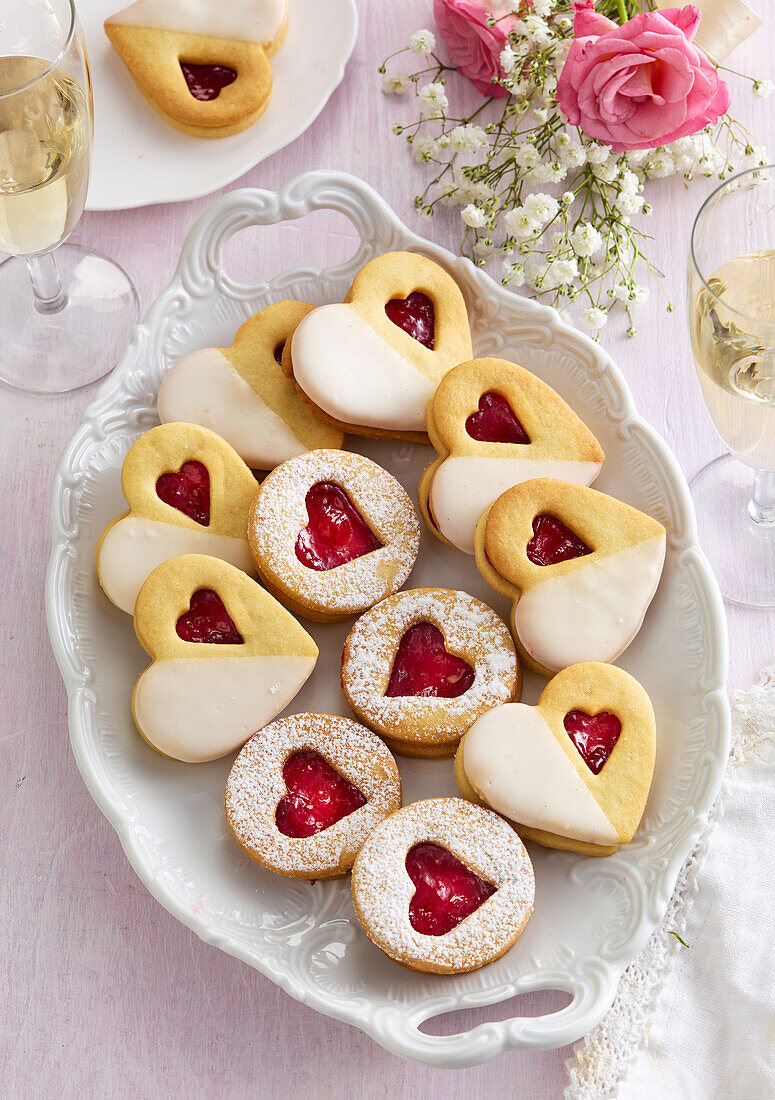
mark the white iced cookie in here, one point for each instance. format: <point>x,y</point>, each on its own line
<point>188,493</point>
<point>241,392</point>
<point>580,566</point>
<point>572,772</point>
<point>495,424</point>
<point>227,658</point>
<point>371,364</point>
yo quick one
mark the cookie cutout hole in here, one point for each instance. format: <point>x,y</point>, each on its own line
<point>593,735</point>
<point>423,667</point>
<point>541,1002</point>
<point>187,490</point>
<point>446,890</point>
<point>205,82</point>
<point>416,315</point>
<point>278,352</point>
<point>207,620</point>
<point>323,239</point>
<point>336,532</point>
<point>495,421</point>
<point>553,542</point>
<point>318,796</point>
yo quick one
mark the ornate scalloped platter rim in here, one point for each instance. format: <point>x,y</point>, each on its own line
<point>322,971</point>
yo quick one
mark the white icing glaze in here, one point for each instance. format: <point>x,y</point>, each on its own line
<point>353,374</point>
<point>245,20</point>
<point>134,546</point>
<point>465,485</point>
<point>205,707</point>
<point>591,613</point>
<point>204,388</point>
<point>514,763</point>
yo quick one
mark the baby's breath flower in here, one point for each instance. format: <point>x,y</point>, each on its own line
<point>508,60</point>
<point>395,83</point>
<point>542,207</point>
<point>521,224</point>
<point>763,89</point>
<point>473,216</point>
<point>424,149</point>
<point>422,42</point>
<point>598,154</point>
<point>586,240</point>
<point>467,139</point>
<point>567,198</point>
<point>434,100</point>
<point>594,317</point>
<point>660,164</point>
<point>526,155</point>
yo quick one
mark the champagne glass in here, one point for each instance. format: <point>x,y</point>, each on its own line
<point>66,312</point>
<point>731,310</point>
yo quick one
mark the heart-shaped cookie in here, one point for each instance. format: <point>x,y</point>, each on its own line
<point>495,424</point>
<point>422,665</point>
<point>332,533</point>
<point>580,566</point>
<point>227,657</point>
<point>188,493</point>
<point>443,887</point>
<point>204,67</point>
<point>572,772</point>
<point>371,364</point>
<point>304,793</point>
<point>242,393</point>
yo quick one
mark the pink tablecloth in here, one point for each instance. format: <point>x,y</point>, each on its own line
<point>104,994</point>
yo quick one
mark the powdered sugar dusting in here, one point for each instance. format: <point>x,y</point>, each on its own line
<point>255,786</point>
<point>382,889</point>
<point>279,513</point>
<point>471,630</point>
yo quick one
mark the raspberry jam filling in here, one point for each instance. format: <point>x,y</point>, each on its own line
<point>423,667</point>
<point>278,352</point>
<point>495,421</point>
<point>594,735</point>
<point>318,796</point>
<point>207,620</point>
<point>205,81</point>
<point>188,490</point>
<point>336,532</point>
<point>414,314</point>
<point>447,891</point>
<point>552,541</point>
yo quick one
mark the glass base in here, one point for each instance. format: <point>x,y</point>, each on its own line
<point>75,345</point>
<point>741,552</point>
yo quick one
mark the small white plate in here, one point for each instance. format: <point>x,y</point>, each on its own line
<point>591,915</point>
<point>140,159</point>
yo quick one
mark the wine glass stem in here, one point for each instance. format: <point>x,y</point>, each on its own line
<point>47,286</point>
<point>761,507</point>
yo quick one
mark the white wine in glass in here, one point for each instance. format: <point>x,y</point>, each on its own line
<point>66,312</point>
<point>732,323</point>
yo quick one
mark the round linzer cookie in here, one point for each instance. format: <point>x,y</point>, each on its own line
<point>188,493</point>
<point>580,566</point>
<point>304,793</point>
<point>443,886</point>
<point>227,658</point>
<point>573,772</point>
<point>242,393</point>
<point>203,66</point>
<point>371,363</point>
<point>495,424</point>
<point>423,665</point>
<point>332,533</point>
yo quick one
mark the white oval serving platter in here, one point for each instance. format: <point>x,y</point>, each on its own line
<point>140,159</point>
<point>591,915</point>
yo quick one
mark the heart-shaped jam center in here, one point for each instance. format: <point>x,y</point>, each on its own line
<point>318,796</point>
<point>495,421</point>
<point>422,666</point>
<point>415,315</point>
<point>278,352</point>
<point>336,532</point>
<point>206,81</point>
<point>207,620</point>
<point>552,541</point>
<point>446,890</point>
<point>188,490</point>
<point>594,735</point>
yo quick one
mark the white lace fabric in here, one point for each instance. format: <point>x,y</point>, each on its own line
<point>698,1022</point>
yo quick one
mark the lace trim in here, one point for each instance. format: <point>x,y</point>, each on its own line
<point>602,1059</point>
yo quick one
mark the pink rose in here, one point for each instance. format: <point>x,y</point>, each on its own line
<point>642,84</point>
<point>474,48</point>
